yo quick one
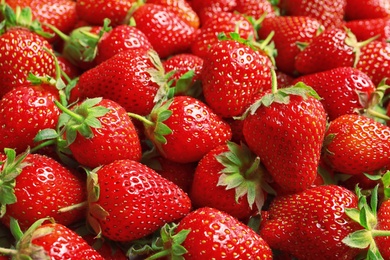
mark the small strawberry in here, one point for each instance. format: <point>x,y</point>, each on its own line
<point>368,28</point>
<point>289,31</point>
<point>35,186</point>
<point>231,179</point>
<point>366,9</point>
<point>128,200</point>
<point>184,129</point>
<point>167,32</point>
<point>285,128</point>
<point>302,223</point>
<point>343,90</point>
<point>356,144</point>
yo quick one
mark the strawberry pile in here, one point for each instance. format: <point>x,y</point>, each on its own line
<point>194,129</point>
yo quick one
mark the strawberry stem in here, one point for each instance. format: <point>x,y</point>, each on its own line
<point>72,114</point>
<point>274,82</point>
<point>80,205</point>
<point>380,233</point>
<point>143,119</point>
<point>8,251</point>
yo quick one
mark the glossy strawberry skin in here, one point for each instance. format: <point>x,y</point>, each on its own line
<point>207,9</point>
<point>367,28</point>
<point>255,8</point>
<point>45,182</point>
<point>124,79</point>
<point>360,144</point>
<point>288,139</point>
<point>366,9</point>
<point>221,236</point>
<point>383,243</point>
<point>24,111</point>
<point>22,52</point>
<point>116,139</point>
<point>63,243</point>
<point>339,89</point>
<point>302,223</point>
<point>232,74</point>
<point>196,130</point>
<point>167,32</point>
<point>138,200</point>
<point>288,31</point>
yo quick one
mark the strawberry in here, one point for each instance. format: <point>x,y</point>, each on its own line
<point>184,129</point>
<point>59,13</point>
<point>98,131</point>
<point>302,223</point>
<point>330,13</point>
<point>94,12</point>
<point>289,30</point>
<point>224,22</point>
<point>331,49</point>
<point>285,128</point>
<point>356,144</point>
<point>167,32</point>
<point>222,236</point>
<point>375,61</point>
<point>129,200</point>
<point>22,51</point>
<point>209,9</point>
<point>366,9</point>
<point>367,28</point>
<point>343,90</point>
<point>35,186</point>
<point>383,242</point>
<point>125,78</point>
<point>50,241</point>
<point>231,179</point>
<point>255,8</point>
<point>233,72</point>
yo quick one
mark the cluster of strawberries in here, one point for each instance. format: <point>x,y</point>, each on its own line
<point>194,129</point>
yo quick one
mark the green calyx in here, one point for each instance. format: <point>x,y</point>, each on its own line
<point>20,18</point>
<point>12,167</point>
<point>356,45</point>
<point>366,216</point>
<point>243,172</point>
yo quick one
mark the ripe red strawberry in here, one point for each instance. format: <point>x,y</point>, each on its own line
<point>375,61</point>
<point>167,32</point>
<point>223,235</point>
<point>343,90</point>
<point>35,186</point>
<point>99,131</point>
<point>330,13</point>
<point>184,129</point>
<point>51,241</point>
<point>94,12</point>
<point>255,8</point>
<point>383,242</point>
<point>211,8</point>
<point>129,200</point>
<point>285,128</point>
<point>367,28</point>
<point>233,73</point>
<point>22,52</point>
<point>125,78</point>
<point>231,179</point>
<point>182,8</point>
<point>24,111</point>
<point>224,22</point>
<point>331,49</point>
<point>59,13</point>
<point>356,144</point>
<point>302,223</point>
<point>289,31</point>
<point>366,9</point>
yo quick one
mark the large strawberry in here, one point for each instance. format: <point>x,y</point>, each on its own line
<point>285,128</point>
<point>230,178</point>
<point>167,32</point>
<point>35,186</point>
<point>184,129</point>
<point>312,224</point>
<point>128,200</point>
<point>233,73</point>
<point>356,144</point>
<point>343,89</point>
<point>289,32</point>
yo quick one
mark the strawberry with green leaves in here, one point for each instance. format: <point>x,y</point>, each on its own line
<point>128,200</point>
<point>35,186</point>
<point>285,128</point>
<point>184,129</point>
<point>230,178</point>
<point>312,224</point>
<point>356,144</point>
